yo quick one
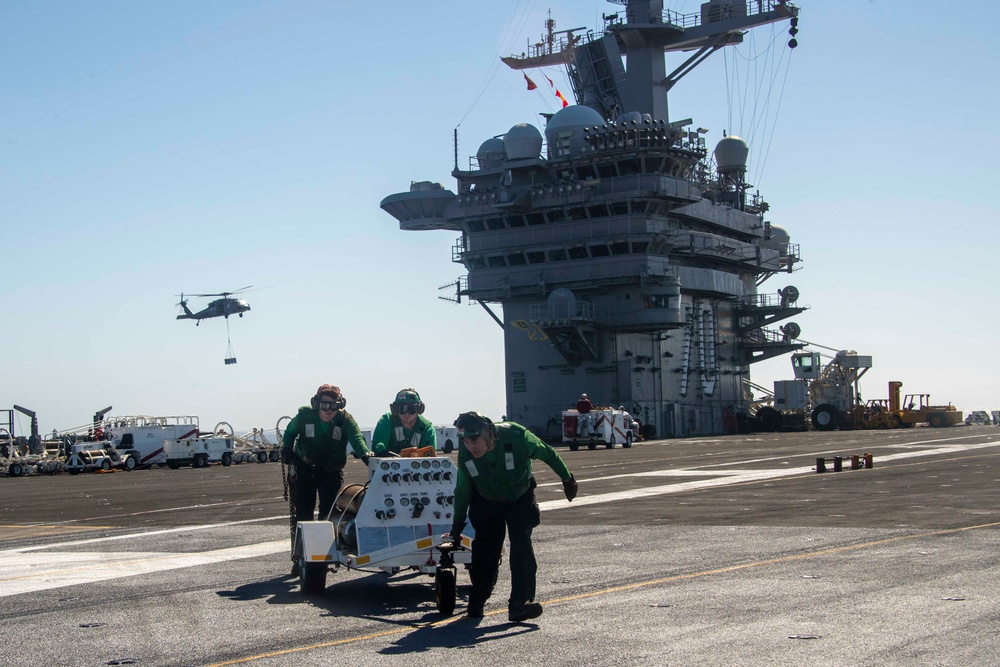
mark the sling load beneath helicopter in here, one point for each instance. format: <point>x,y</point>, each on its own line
<point>223,307</point>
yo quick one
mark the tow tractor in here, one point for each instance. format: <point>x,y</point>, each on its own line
<point>398,521</point>
<point>600,426</point>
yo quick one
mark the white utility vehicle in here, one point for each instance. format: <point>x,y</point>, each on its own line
<point>142,436</point>
<point>399,520</point>
<point>198,452</point>
<point>600,426</point>
<point>94,456</point>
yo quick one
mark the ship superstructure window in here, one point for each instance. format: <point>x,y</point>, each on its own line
<point>601,250</point>
<point>477,263</point>
<point>619,248</point>
<point>515,221</point>
<point>557,215</point>
<point>598,211</point>
<point>619,208</point>
<point>578,252</point>
<point>656,301</point>
<point>496,262</point>
<point>639,247</point>
<point>558,255</point>
<point>517,259</point>
<point>536,257</point>
<point>536,219</point>
<point>494,223</point>
<point>476,226</point>
<point>577,213</point>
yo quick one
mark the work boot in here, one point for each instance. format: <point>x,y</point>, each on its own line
<point>295,568</point>
<point>475,610</point>
<point>524,612</point>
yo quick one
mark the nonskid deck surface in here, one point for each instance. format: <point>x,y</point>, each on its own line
<point>728,550</point>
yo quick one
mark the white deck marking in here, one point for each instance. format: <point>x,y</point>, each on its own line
<point>25,573</point>
<point>727,478</point>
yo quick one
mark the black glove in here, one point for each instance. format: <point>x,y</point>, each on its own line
<point>286,456</point>
<point>570,488</point>
<point>365,457</point>
<point>456,533</point>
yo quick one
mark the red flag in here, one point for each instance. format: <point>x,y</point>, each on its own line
<point>552,85</point>
<point>560,96</point>
<point>531,84</point>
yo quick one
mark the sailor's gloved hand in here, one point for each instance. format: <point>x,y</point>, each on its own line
<point>456,533</point>
<point>286,456</point>
<point>380,450</point>
<point>570,488</point>
<point>292,473</point>
<point>365,457</point>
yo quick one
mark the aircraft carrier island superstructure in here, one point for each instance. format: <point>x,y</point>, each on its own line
<point>627,261</point>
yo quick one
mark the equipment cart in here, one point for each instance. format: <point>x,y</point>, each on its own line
<point>399,520</point>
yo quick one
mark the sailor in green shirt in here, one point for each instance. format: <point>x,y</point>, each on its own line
<point>497,490</point>
<point>403,426</point>
<point>314,447</point>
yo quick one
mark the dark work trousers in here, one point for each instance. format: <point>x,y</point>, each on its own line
<point>491,519</point>
<point>310,480</point>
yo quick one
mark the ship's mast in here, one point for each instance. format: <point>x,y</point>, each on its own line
<point>594,64</point>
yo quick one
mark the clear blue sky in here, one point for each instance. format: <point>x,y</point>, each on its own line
<point>155,148</point>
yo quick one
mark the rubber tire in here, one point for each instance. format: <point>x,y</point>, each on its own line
<point>609,445</point>
<point>628,440</point>
<point>312,578</point>
<point>445,590</point>
<point>573,446</point>
<point>768,419</point>
<point>200,461</point>
<point>15,470</point>
<point>173,465</point>
<point>274,456</point>
<point>261,457</point>
<point>73,471</point>
<point>105,465</point>
<point>591,446</point>
<point>449,446</point>
<point>227,459</point>
<point>825,417</point>
<point>937,420</point>
<point>129,464</point>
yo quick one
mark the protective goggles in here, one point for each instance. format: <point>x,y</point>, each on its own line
<point>328,406</point>
<point>408,409</point>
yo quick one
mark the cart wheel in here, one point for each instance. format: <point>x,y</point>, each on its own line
<point>105,465</point>
<point>261,457</point>
<point>609,445</point>
<point>129,463</point>
<point>15,470</point>
<point>227,459</point>
<point>444,590</point>
<point>628,440</point>
<point>592,446</point>
<point>274,456</point>
<point>573,446</point>
<point>312,578</point>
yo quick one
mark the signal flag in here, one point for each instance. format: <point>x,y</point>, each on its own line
<point>531,84</point>
<point>560,96</point>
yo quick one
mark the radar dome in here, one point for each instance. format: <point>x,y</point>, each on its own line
<point>779,240</point>
<point>491,153</point>
<point>571,119</point>
<point>731,153</point>
<point>523,142</point>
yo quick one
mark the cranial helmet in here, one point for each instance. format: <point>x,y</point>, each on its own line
<point>471,424</point>
<point>408,396</point>
<point>331,393</point>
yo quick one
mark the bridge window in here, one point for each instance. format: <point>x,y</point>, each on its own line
<point>578,252</point>
<point>496,262</point>
<point>558,255</point>
<point>557,215</point>
<point>599,250</point>
<point>536,219</point>
<point>536,257</point>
